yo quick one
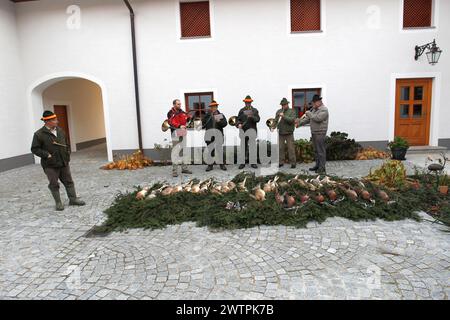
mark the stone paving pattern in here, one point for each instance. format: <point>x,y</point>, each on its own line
<point>45,255</point>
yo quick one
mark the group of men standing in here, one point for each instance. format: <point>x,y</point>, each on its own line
<point>286,120</point>
<point>51,145</point>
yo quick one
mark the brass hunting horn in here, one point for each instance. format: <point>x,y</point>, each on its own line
<point>272,123</point>
<point>165,126</point>
<point>233,121</point>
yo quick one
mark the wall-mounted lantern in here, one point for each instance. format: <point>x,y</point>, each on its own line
<point>433,53</point>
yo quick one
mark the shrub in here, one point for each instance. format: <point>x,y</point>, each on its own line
<point>371,153</point>
<point>339,147</point>
<point>304,151</point>
<point>392,174</point>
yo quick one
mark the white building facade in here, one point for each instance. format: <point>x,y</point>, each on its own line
<point>360,59</point>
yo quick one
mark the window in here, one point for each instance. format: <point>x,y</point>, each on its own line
<point>417,13</point>
<point>301,98</point>
<point>194,17</point>
<point>198,102</point>
<point>305,15</point>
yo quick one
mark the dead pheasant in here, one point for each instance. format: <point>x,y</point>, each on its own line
<point>216,189</point>
<point>383,195</point>
<point>195,188</point>
<point>204,188</point>
<point>167,191</point>
<point>155,192</point>
<point>332,195</point>
<point>279,198</point>
<point>320,198</point>
<point>351,194</point>
<point>259,195</point>
<point>176,189</point>
<point>268,186</point>
<point>241,186</point>
<point>142,194</point>
<point>188,186</point>
<point>289,201</point>
<point>231,185</point>
<point>224,187</point>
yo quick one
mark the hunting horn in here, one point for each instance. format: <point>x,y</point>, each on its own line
<point>233,121</point>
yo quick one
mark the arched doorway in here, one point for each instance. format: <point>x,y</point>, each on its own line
<point>81,104</point>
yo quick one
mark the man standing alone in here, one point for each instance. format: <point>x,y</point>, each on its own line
<point>318,119</point>
<point>50,144</point>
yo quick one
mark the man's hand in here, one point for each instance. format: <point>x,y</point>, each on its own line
<point>281,115</point>
<point>182,127</point>
<point>49,156</point>
<point>240,126</point>
<point>308,113</point>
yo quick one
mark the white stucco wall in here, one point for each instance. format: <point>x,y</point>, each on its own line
<point>352,61</point>
<point>13,116</point>
<point>100,49</point>
<point>84,100</point>
<point>355,60</point>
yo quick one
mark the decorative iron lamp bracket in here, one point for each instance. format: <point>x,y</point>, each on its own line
<point>432,47</point>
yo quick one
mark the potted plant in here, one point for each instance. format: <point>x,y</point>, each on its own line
<point>398,147</point>
<point>443,184</point>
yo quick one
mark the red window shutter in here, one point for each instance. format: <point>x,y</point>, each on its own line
<point>305,15</point>
<point>417,13</point>
<point>195,19</point>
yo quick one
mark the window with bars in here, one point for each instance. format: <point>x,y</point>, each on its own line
<point>195,19</point>
<point>198,102</point>
<point>417,13</point>
<point>301,99</point>
<point>305,15</point>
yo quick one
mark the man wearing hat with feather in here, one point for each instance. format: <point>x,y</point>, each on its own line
<point>50,144</point>
<point>215,120</point>
<point>248,119</point>
<point>285,119</point>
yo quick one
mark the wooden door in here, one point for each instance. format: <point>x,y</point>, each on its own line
<point>63,120</point>
<point>412,110</point>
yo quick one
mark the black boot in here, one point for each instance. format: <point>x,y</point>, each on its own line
<point>209,168</point>
<point>254,166</point>
<point>58,203</point>
<point>314,168</point>
<point>242,166</point>
<point>223,167</point>
<point>73,199</point>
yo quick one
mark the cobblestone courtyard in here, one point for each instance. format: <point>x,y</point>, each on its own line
<point>45,255</point>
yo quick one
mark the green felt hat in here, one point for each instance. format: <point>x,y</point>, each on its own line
<point>284,101</point>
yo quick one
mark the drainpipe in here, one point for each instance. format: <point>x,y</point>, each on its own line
<point>135,69</point>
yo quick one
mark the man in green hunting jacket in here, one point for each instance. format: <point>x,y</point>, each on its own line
<point>50,144</point>
<point>285,119</point>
